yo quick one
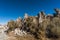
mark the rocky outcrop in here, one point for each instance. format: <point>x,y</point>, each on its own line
<point>41,16</point>
<point>40,27</point>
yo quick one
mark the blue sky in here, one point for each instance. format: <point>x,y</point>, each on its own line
<point>12,9</point>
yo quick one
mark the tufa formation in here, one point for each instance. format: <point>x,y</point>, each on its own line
<point>40,27</point>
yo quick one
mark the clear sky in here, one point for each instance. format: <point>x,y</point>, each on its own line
<point>12,9</point>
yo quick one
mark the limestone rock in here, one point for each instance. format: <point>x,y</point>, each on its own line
<point>41,16</point>
<point>26,16</point>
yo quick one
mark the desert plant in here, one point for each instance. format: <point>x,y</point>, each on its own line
<point>12,25</point>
